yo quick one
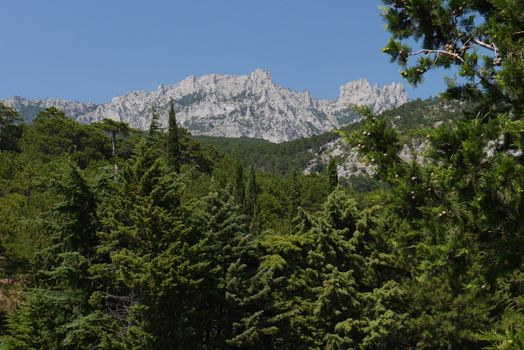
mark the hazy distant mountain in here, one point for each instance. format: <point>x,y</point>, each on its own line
<point>29,108</point>
<point>232,106</point>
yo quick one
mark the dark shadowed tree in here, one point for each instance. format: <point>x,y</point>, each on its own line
<point>173,139</point>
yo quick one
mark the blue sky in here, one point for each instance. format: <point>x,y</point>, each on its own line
<point>94,50</point>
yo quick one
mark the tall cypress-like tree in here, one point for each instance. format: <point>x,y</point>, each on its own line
<point>239,190</point>
<point>251,207</point>
<point>173,139</point>
<point>154,124</point>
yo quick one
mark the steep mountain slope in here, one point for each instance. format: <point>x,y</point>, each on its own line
<point>312,154</point>
<point>237,106</point>
<point>409,119</point>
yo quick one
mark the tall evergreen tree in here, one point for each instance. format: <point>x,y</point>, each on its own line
<point>224,225</point>
<point>295,196</point>
<point>56,312</point>
<point>114,128</point>
<point>239,187</point>
<point>252,207</point>
<point>153,261</point>
<point>154,124</point>
<point>482,38</point>
<point>173,139</point>
<point>8,120</point>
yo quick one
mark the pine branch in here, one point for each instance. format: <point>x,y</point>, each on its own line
<point>428,52</point>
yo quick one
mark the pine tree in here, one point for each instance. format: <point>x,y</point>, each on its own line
<point>114,128</point>
<point>8,120</point>
<point>173,140</point>
<point>482,38</point>
<point>295,193</point>
<point>454,206</point>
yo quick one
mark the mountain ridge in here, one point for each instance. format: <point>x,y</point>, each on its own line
<point>228,105</point>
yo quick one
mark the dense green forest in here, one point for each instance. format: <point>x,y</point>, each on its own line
<point>115,238</point>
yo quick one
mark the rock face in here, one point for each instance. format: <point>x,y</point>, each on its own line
<point>234,106</point>
<point>30,108</point>
<point>350,163</point>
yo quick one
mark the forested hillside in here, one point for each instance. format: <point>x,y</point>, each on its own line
<point>284,158</point>
<point>114,238</point>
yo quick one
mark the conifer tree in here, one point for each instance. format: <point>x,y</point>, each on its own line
<point>114,128</point>
<point>153,262</point>
<point>8,118</point>
<point>452,204</point>
<point>295,193</point>
<point>154,125</point>
<point>224,226</point>
<point>56,312</point>
<point>173,139</point>
<point>239,190</point>
<point>251,200</point>
<point>482,38</point>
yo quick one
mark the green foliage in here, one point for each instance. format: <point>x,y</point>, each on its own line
<point>483,39</point>
<point>53,134</point>
<point>176,248</point>
<point>154,125</point>
<point>378,141</point>
<point>282,158</point>
<point>239,190</point>
<point>114,128</point>
<point>173,139</point>
<point>10,128</point>
<point>333,174</point>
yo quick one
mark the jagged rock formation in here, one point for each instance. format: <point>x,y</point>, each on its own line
<point>350,163</point>
<point>234,106</point>
<point>30,108</point>
<point>348,160</point>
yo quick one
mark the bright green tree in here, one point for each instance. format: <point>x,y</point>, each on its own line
<point>154,124</point>
<point>56,312</point>
<point>153,262</point>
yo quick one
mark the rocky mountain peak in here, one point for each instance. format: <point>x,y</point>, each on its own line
<point>360,92</point>
<point>261,74</point>
<point>249,105</point>
<point>355,92</point>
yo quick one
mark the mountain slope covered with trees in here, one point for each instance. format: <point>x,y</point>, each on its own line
<point>114,238</point>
